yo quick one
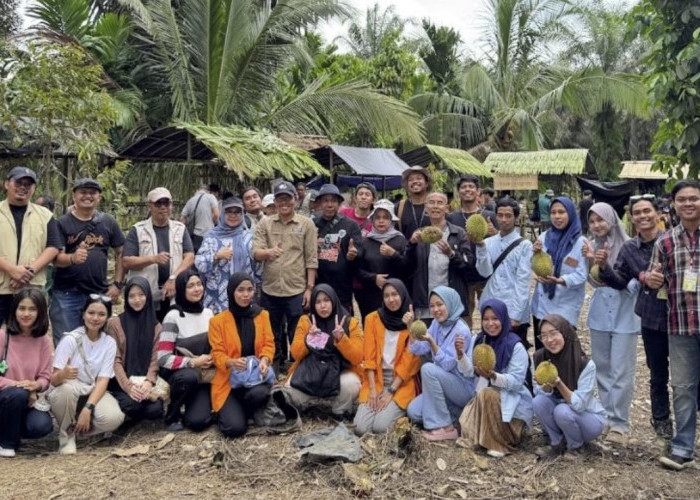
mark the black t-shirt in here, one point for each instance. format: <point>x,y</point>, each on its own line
<point>411,218</point>
<point>459,218</point>
<point>131,248</point>
<point>333,243</point>
<point>53,239</point>
<point>100,234</point>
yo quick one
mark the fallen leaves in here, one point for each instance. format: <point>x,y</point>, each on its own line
<point>141,449</point>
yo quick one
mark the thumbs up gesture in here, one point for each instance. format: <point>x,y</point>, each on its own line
<point>601,255</point>
<point>408,317</point>
<point>385,250</point>
<point>80,254</point>
<point>654,278</point>
<point>587,250</point>
<point>352,250</point>
<point>224,253</point>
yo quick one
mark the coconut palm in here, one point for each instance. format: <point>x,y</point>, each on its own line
<point>520,90</point>
<point>365,40</point>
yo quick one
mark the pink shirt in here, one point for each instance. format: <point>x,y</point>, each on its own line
<point>28,358</point>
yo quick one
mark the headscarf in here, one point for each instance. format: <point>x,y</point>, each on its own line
<point>243,316</point>
<point>386,235</point>
<point>617,235</point>
<point>139,328</point>
<point>393,320</point>
<point>571,360</point>
<point>223,232</point>
<point>450,297</point>
<point>560,242</point>
<point>327,325</point>
<point>181,303</point>
<point>504,343</point>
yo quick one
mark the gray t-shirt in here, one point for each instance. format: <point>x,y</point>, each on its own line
<point>203,222</point>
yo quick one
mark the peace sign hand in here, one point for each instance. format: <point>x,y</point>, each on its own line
<point>338,331</point>
<point>313,328</point>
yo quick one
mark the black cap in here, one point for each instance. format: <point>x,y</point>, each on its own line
<point>87,183</point>
<point>367,185</point>
<point>330,189</point>
<point>232,201</point>
<point>285,188</point>
<point>22,172</point>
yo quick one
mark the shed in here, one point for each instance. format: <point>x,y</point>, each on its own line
<point>456,160</point>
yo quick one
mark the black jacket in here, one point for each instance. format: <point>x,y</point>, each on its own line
<point>370,262</point>
<point>460,264</point>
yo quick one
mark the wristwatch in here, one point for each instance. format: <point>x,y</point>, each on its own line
<point>172,277</point>
<point>90,407</point>
<point>391,390</point>
<point>119,284</point>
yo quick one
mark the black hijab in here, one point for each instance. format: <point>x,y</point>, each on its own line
<point>571,360</point>
<point>243,316</point>
<point>393,320</point>
<point>139,328</point>
<point>181,303</point>
<point>327,325</point>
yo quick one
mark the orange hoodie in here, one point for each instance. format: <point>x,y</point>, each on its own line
<point>406,365</point>
<point>226,344</point>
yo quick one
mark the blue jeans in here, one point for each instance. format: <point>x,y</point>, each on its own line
<point>684,356</point>
<point>444,397</point>
<point>17,420</point>
<point>66,312</point>
<point>561,421</point>
<point>280,308</point>
<point>615,357</point>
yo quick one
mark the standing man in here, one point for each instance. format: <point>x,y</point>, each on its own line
<point>363,199</point>
<point>506,259</point>
<point>417,182</point>
<point>543,203</point>
<point>81,267</point>
<point>303,202</point>
<point>469,196</point>
<point>487,195</point>
<point>29,238</point>
<point>676,264</point>
<point>200,214</point>
<point>338,242</point>
<point>287,244</point>
<point>159,249</point>
<point>252,202</point>
<point>583,207</point>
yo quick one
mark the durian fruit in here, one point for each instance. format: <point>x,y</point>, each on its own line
<point>476,228</point>
<point>542,264</point>
<point>546,373</point>
<point>418,329</point>
<point>431,234</point>
<point>484,357</point>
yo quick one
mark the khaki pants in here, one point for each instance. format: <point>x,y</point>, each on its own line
<point>64,400</point>
<point>350,385</point>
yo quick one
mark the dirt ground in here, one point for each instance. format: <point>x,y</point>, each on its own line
<point>258,466</point>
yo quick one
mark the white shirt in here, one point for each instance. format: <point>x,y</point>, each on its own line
<point>391,338</point>
<point>100,356</point>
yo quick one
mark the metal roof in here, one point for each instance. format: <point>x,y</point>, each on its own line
<point>363,161</point>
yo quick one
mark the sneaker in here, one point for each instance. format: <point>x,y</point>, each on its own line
<point>663,428</point>
<point>66,446</point>
<point>495,453</point>
<point>676,462</point>
<point>441,434</point>
<point>7,452</point>
<point>175,427</point>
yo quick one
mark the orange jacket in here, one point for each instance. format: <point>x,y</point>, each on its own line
<point>406,365</point>
<point>350,347</point>
<point>226,344</point>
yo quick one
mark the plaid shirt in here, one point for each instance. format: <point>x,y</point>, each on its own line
<point>678,251</point>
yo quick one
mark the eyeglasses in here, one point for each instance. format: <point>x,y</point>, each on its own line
<point>161,203</point>
<point>234,211</point>
<point>642,197</point>
<point>551,335</point>
<point>25,183</point>
<point>99,296</point>
<point>689,200</point>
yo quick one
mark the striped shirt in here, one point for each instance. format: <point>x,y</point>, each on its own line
<point>678,252</point>
<point>190,332</point>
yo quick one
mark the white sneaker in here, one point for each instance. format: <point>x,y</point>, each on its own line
<point>7,452</point>
<point>495,453</point>
<point>67,446</point>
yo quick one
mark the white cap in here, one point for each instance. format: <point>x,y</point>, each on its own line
<point>268,199</point>
<point>384,204</point>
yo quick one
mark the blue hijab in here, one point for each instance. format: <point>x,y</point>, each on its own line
<point>560,242</point>
<point>454,305</point>
<point>238,234</point>
<point>504,343</point>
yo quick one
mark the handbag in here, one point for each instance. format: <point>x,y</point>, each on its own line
<point>251,376</point>
<point>161,389</point>
<point>318,374</point>
<point>204,375</point>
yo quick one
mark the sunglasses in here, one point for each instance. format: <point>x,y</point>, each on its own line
<point>161,203</point>
<point>99,296</point>
<point>642,197</point>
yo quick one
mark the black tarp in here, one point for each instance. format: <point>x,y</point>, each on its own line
<point>616,194</point>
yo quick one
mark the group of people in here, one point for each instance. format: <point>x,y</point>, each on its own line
<point>320,308</point>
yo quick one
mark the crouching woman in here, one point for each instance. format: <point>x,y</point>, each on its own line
<point>237,334</point>
<point>327,351</point>
<point>570,413</point>
<point>496,418</point>
<point>82,367</point>
<point>446,390</point>
<point>388,383</point>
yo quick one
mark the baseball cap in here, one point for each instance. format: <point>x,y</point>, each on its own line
<point>158,194</point>
<point>21,172</point>
<point>330,189</point>
<point>87,183</point>
<point>367,185</point>
<point>268,199</point>
<point>232,201</point>
<point>285,188</point>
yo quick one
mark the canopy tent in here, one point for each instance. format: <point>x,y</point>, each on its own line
<point>457,160</point>
<point>616,194</point>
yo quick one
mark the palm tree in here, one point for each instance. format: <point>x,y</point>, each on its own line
<point>521,91</point>
<point>366,40</point>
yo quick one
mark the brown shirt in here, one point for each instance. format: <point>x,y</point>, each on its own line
<point>286,275</point>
